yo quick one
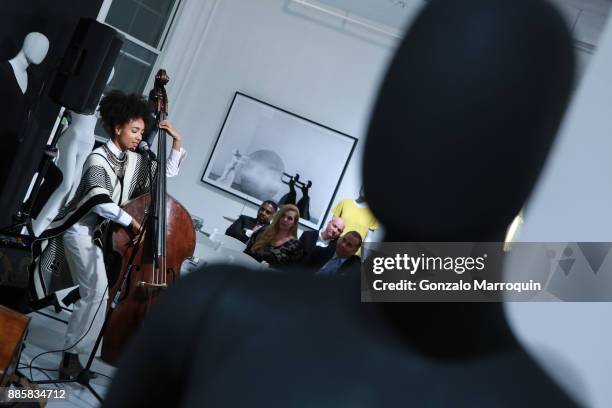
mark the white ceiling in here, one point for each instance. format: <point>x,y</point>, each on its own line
<point>585,17</point>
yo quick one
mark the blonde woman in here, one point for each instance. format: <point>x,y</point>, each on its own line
<point>277,244</point>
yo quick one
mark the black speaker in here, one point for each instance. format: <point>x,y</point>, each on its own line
<point>86,66</point>
<point>15,256</point>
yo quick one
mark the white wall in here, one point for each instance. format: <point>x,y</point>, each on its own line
<point>310,65</point>
<point>573,203</point>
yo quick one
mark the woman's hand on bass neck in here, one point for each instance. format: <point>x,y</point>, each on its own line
<point>173,133</point>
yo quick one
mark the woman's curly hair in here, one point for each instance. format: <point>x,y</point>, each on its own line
<point>118,108</point>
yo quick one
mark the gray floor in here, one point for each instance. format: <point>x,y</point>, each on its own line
<point>46,334</point>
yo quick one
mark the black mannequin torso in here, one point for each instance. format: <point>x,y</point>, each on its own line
<point>12,102</point>
<point>306,342</point>
<point>21,135</point>
<point>14,107</point>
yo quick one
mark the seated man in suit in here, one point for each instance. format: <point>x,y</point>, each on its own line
<point>245,226</point>
<point>319,246</point>
<point>344,262</point>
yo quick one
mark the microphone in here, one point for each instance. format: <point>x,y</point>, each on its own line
<point>143,147</point>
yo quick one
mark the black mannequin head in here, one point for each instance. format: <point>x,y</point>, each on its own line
<point>461,129</point>
<point>465,118</point>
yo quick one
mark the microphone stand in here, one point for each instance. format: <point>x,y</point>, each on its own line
<point>83,377</point>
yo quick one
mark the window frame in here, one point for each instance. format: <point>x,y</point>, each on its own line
<point>159,51</point>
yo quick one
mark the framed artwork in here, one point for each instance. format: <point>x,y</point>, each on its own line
<point>266,153</point>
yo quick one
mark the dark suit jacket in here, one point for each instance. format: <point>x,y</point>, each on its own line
<point>315,256</point>
<point>237,228</point>
<point>351,267</point>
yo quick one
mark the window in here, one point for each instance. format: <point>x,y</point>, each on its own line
<point>145,25</point>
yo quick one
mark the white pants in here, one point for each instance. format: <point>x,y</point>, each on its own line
<point>86,264</point>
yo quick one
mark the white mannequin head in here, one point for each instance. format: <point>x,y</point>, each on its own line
<point>35,47</point>
<point>34,50</point>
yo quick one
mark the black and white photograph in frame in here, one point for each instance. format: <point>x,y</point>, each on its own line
<point>266,153</point>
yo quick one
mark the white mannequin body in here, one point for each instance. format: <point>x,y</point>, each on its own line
<point>74,146</point>
<point>34,50</point>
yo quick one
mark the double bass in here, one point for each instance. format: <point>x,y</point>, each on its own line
<point>144,267</point>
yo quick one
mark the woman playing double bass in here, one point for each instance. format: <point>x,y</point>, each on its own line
<point>112,174</point>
